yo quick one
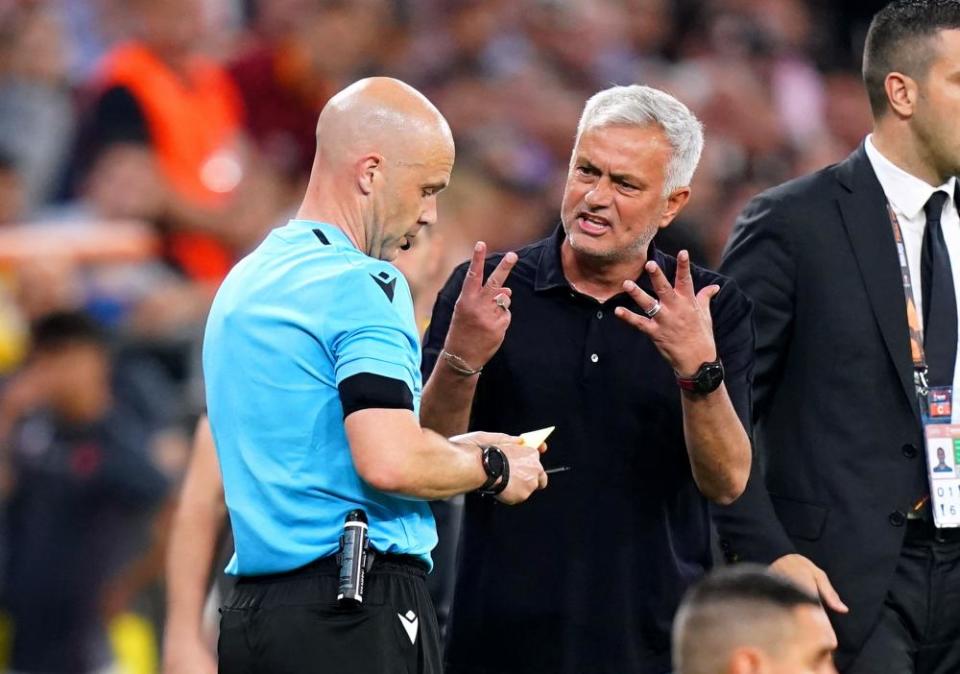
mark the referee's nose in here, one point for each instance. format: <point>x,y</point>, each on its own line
<point>428,216</point>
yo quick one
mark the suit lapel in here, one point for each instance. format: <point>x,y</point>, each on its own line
<point>863,207</point>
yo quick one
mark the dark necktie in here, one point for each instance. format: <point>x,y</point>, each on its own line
<point>939,299</point>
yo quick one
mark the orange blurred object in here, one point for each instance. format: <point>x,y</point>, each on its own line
<point>80,242</point>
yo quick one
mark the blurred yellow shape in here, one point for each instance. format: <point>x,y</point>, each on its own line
<point>134,644</point>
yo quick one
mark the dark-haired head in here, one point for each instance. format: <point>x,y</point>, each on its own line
<point>747,619</point>
<point>911,66</point>
<point>71,357</point>
<point>60,329</point>
<point>903,38</point>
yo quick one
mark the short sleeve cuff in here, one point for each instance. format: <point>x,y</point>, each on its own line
<point>373,391</point>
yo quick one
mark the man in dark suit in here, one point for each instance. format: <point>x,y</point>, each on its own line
<point>839,494</point>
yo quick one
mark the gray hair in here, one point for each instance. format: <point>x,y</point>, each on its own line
<point>639,105</point>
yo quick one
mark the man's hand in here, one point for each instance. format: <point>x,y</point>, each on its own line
<point>482,313</point>
<point>526,472</point>
<point>680,325</point>
<point>188,656</point>
<point>811,577</point>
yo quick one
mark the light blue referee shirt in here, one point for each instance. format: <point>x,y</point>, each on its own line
<point>294,319</point>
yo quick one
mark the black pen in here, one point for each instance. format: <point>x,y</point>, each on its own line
<point>558,469</point>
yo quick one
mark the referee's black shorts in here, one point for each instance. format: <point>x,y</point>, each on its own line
<point>290,623</point>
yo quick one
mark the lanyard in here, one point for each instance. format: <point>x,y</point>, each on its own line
<point>913,320</point>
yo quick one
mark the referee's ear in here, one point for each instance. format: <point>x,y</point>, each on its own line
<point>368,170</point>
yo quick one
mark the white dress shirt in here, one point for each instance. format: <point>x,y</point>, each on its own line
<point>908,195</point>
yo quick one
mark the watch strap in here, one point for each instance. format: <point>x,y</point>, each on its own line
<point>698,382</point>
<point>495,483</point>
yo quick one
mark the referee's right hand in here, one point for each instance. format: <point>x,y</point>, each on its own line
<point>526,472</point>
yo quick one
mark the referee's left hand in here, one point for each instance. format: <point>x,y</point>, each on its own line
<point>526,472</point>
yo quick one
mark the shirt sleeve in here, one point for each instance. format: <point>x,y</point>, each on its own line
<point>373,340</point>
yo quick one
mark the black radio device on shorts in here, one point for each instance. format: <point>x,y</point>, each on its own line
<point>352,558</point>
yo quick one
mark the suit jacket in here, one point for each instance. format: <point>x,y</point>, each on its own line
<point>836,424</point>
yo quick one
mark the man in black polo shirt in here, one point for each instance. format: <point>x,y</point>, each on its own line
<point>612,342</point>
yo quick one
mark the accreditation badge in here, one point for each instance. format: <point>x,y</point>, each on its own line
<point>943,457</point>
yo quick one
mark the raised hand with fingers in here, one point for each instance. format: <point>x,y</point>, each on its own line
<point>678,319</point>
<point>481,315</point>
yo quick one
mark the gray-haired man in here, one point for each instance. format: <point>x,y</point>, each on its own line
<point>620,347</point>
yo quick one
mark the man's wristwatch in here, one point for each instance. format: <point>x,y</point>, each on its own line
<point>706,380</point>
<point>497,468</point>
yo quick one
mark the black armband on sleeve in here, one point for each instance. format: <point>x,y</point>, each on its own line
<point>363,391</point>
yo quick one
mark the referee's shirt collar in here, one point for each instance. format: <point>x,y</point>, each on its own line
<point>550,268</point>
<point>333,234</point>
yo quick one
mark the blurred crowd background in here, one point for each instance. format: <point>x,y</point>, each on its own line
<point>146,145</point>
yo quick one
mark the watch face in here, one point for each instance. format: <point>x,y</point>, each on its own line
<point>709,378</point>
<point>493,462</point>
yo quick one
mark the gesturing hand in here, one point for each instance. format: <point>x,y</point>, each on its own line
<point>482,312</point>
<point>678,320</point>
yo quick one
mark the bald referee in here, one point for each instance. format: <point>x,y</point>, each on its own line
<point>311,359</point>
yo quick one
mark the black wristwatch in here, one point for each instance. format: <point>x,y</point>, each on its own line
<point>497,468</point>
<point>706,380</point>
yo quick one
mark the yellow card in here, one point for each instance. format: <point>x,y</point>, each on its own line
<point>536,438</point>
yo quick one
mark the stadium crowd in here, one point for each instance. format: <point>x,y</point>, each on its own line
<point>146,146</point>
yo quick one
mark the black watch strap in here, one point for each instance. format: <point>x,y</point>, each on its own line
<point>497,468</point>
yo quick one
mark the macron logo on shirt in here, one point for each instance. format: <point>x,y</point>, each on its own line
<point>387,284</point>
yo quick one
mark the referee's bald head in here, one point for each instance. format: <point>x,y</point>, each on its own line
<point>384,152</point>
<point>379,114</point>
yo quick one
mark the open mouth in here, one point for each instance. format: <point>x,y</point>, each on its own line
<point>590,223</point>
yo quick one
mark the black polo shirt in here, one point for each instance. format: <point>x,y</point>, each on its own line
<point>586,576</point>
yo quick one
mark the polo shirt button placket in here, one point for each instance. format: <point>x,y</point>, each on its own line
<point>594,358</point>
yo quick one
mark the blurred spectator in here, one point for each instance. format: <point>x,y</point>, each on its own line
<point>746,620</point>
<point>83,479</point>
<point>158,90</point>
<point>123,184</point>
<point>13,198</point>
<point>285,79</point>
<point>36,106</point>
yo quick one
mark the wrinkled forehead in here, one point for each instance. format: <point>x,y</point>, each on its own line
<point>624,148</point>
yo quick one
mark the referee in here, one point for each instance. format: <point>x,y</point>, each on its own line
<point>311,359</point>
